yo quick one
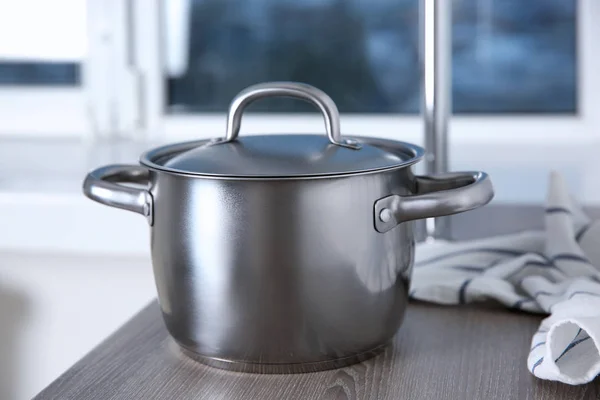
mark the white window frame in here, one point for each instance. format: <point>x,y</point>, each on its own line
<point>526,130</point>
<point>42,111</point>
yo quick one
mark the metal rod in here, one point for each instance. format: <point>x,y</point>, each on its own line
<point>436,25</point>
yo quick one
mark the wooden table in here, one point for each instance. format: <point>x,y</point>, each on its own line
<point>467,352</point>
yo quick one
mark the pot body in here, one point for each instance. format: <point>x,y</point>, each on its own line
<point>280,275</point>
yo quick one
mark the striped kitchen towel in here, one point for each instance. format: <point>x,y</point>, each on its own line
<point>555,271</point>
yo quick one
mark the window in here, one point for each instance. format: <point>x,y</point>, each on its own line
<point>521,70</point>
<point>43,45</point>
<point>514,56</point>
<point>509,56</point>
<point>168,68</point>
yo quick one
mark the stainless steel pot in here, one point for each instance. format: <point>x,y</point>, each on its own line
<point>283,253</point>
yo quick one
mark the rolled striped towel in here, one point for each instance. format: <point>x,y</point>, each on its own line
<point>555,271</point>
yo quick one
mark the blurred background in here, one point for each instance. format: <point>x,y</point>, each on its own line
<point>90,82</point>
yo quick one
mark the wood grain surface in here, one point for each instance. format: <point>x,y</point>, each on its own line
<point>439,353</point>
<point>466,352</point>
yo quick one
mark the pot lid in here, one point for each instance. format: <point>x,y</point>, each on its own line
<point>282,156</point>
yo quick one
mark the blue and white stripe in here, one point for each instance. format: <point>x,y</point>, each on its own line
<point>555,271</point>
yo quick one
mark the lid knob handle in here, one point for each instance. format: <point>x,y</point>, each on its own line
<point>295,90</point>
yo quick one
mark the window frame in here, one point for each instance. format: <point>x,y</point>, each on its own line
<point>42,111</point>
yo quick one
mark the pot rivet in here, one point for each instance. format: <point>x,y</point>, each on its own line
<point>385,215</point>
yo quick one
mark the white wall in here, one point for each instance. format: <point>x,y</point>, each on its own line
<point>56,308</point>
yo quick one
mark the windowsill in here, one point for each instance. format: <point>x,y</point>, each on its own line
<point>42,208</point>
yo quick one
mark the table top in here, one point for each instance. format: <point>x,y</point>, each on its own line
<point>440,352</point>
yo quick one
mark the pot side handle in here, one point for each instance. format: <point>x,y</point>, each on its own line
<point>436,196</point>
<point>105,185</point>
